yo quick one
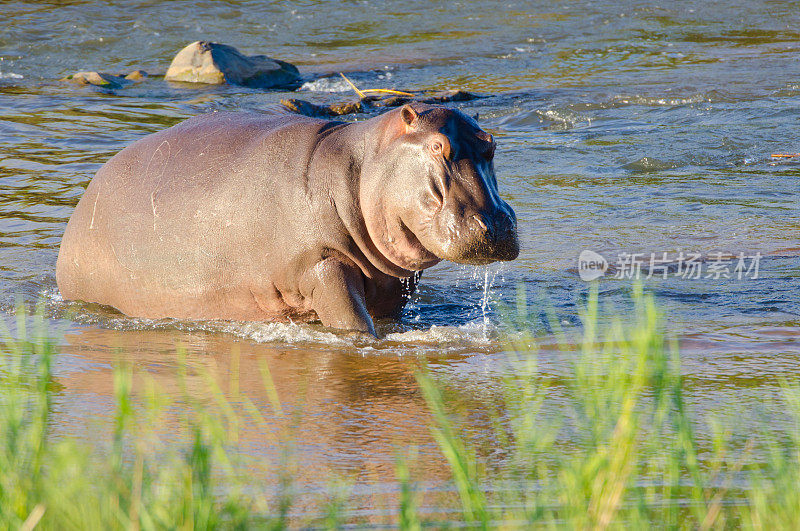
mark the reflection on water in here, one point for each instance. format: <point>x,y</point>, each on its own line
<point>621,127</point>
<point>348,414</point>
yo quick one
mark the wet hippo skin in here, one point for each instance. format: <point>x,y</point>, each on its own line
<point>257,217</point>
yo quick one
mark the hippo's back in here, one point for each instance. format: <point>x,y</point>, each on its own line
<point>166,226</point>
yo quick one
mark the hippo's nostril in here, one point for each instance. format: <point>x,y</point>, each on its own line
<point>507,225</point>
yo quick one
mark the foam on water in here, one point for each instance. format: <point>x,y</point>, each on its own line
<point>10,75</point>
<point>480,333</point>
<point>477,332</point>
<point>638,99</point>
<point>282,333</point>
<point>327,84</point>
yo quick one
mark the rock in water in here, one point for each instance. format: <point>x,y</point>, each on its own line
<point>98,79</point>
<point>214,63</point>
<point>106,80</point>
<point>371,101</point>
<point>306,108</point>
<point>137,75</point>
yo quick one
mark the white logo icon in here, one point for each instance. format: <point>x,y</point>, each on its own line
<point>591,265</point>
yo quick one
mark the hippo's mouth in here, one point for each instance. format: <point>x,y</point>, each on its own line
<point>477,243</point>
<point>413,255</point>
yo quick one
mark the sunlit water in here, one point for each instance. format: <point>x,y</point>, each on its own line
<point>622,128</point>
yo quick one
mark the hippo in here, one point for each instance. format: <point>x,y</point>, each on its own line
<point>251,216</point>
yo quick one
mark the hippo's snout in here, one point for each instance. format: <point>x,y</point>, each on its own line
<point>502,242</point>
<point>492,237</point>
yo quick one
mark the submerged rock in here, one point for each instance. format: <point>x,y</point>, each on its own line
<point>136,75</point>
<point>369,101</point>
<point>450,95</point>
<point>104,79</point>
<point>649,165</point>
<point>389,101</point>
<point>307,108</point>
<point>347,107</point>
<point>215,63</point>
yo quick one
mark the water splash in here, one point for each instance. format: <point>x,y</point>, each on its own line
<point>282,333</point>
<point>472,333</point>
<point>327,84</point>
<point>479,333</point>
<point>485,301</point>
<point>486,276</point>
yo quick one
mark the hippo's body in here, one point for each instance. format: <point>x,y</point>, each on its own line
<point>248,216</point>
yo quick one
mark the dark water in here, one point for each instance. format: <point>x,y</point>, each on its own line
<point>622,127</point>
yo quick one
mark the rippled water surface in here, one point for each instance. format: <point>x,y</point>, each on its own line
<point>622,127</point>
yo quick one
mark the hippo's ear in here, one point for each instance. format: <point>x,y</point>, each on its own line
<point>488,152</point>
<point>409,116</point>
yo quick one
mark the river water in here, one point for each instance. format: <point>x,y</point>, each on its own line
<point>622,127</point>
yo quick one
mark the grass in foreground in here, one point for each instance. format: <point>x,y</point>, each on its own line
<point>622,452</point>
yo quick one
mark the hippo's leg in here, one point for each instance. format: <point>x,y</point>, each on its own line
<point>337,295</point>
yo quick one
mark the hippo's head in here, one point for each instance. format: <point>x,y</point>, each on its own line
<point>432,193</point>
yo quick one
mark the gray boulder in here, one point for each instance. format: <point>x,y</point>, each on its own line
<point>215,63</point>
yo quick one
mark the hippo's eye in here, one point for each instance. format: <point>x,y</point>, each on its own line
<point>440,147</point>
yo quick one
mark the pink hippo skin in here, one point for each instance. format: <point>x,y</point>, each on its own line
<point>257,217</point>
